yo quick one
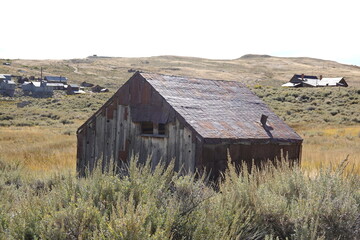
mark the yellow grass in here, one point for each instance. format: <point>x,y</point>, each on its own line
<point>40,150</point>
<point>329,146</point>
<point>45,150</point>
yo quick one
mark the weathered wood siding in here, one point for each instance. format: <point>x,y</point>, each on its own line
<point>113,135</point>
<point>215,155</point>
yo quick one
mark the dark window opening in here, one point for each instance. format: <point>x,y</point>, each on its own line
<point>161,129</point>
<point>147,128</point>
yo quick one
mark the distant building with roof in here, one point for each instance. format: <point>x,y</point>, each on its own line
<point>313,81</point>
<point>74,89</point>
<point>56,79</point>
<point>99,89</point>
<point>86,84</point>
<point>7,86</point>
<point>332,82</point>
<point>56,86</point>
<point>37,88</point>
<point>197,123</point>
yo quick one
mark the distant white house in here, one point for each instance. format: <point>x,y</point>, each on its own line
<point>313,81</point>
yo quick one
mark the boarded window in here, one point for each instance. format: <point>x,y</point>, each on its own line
<point>161,129</point>
<point>147,128</point>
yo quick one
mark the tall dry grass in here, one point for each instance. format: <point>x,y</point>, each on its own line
<point>46,150</point>
<point>329,146</point>
<point>41,150</point>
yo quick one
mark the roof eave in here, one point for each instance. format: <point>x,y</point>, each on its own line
<point>248,141</point>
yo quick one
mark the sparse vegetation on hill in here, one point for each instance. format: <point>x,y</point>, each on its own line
<point>256,69</point>
<point>318,106</point>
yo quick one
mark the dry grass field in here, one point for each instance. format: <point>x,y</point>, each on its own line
<point>42,134</point>
<point>42,150</point>
<point>41,197</point>
<point>328,146</point>
<point>45,151</point>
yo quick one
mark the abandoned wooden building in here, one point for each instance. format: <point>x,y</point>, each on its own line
<point>313,81</point>
<point>74,89</point>
<point>196,122</point>
<point>40,89</point>
<point>56,86</point>
<point>86,84</point>
<point>7,86</point>
<point>99,89</point>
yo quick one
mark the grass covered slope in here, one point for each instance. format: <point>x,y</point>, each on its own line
<point>276,203</point>
<point>249,69</point>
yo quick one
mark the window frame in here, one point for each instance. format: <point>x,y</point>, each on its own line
<point>155,130</point>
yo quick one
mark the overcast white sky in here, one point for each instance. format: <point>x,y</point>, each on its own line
<point>224,29</point>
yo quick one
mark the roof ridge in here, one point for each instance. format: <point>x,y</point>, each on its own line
<point>189,77</point>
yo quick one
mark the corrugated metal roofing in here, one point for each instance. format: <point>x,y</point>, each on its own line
<point>219,109</point>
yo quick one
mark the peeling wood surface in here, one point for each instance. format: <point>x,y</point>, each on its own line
<point>113,136</point>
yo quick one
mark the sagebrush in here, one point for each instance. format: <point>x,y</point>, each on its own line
<point>274,203</point>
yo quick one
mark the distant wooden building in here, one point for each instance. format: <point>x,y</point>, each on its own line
<point>56,86</point>
<point>86,84</point>
<point>37,88</point>
<point>313,81</point>
<point>7,86</point>
<point>99,89</point>
<point>74,89</point>
<point>196,122</point>
<point>6,77</point>
<point>332,82</point>
<point>56,79</point>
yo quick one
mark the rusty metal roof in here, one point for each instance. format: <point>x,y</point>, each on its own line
<point>219,109</point>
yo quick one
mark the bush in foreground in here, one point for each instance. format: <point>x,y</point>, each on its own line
<point>274,203</point>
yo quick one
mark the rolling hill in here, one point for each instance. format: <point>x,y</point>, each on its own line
<point>249,69</point>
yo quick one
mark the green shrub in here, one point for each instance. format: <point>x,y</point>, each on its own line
<point>150,202</point>
<point>66,121</point>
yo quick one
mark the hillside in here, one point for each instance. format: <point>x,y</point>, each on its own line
<point>249,69</point>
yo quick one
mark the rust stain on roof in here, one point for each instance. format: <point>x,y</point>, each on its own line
<point>219,109</point>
